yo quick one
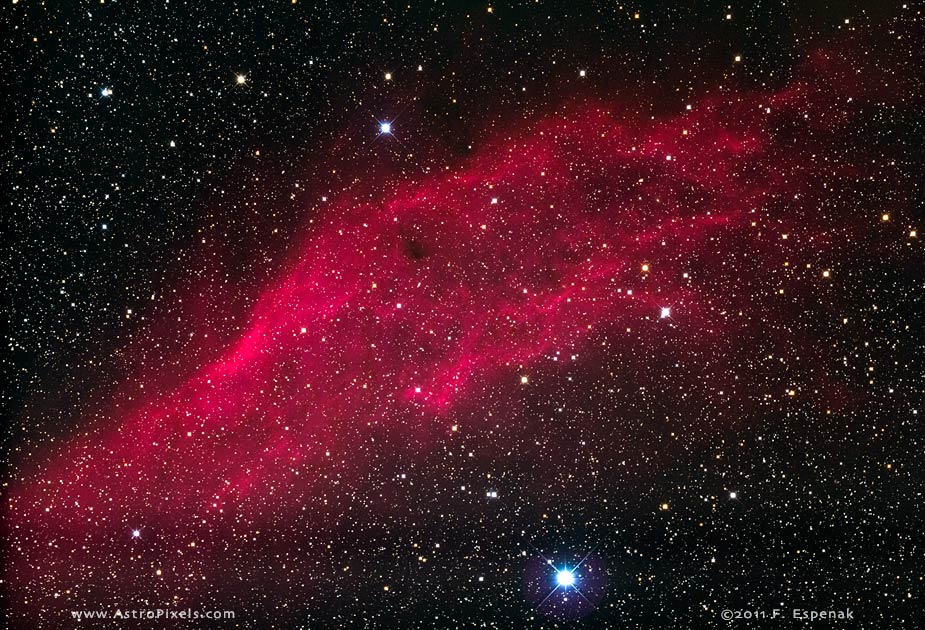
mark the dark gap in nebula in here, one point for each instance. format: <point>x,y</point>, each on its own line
<point>415,248</point>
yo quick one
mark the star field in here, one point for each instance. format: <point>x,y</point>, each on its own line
<point>464,315</point>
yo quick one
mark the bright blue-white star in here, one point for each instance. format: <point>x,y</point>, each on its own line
<point>385,127</point>
<point>565,578</point>
<point>136,533</point>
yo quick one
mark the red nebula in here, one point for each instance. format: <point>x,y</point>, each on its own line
<point>398,312</point>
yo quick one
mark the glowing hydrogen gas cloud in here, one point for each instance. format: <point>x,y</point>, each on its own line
<point>556,244</point>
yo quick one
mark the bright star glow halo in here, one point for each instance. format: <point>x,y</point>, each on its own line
<point>565,578</point>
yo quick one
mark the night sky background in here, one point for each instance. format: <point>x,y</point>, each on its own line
<point>633,290</point>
